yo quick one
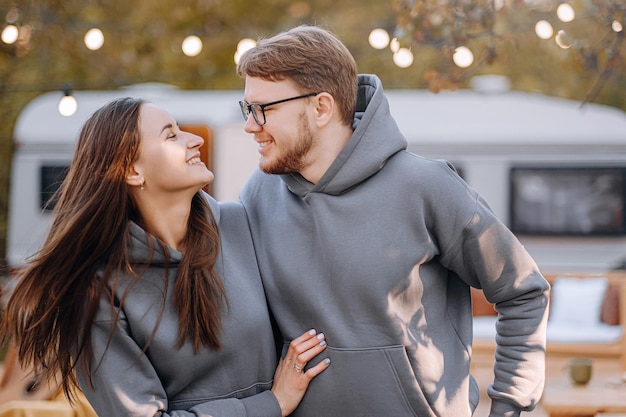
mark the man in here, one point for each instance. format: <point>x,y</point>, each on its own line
<point>378,247</point>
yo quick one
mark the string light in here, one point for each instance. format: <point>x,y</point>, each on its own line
<point>243,46</point>
<point>68,104</point>
<point>403,58</point>
<point>562,39</point>
<point>10,34</point>
<point>544,29</point>
<point>486,25</point>
<point>565,13</point>
<point>192,45</point>
<point>438,25</point>
<point>94,39</point>
<point>379,38</point>
<point>463,57</point>
<point>394,45</point>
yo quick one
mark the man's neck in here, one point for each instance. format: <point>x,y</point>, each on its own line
<point>329,145</point>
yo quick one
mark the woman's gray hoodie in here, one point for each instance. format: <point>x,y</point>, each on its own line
<point>380,255</point>
<point>167,381</point>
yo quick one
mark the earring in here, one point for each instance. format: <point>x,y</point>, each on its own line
<point>142,181</point>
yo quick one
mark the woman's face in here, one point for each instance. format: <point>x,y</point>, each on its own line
<point>169,159</point>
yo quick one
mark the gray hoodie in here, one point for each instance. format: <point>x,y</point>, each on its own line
<point>167,381</point>
<point>380,255</point>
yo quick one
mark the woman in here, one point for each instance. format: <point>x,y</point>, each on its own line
<point>135,290</point>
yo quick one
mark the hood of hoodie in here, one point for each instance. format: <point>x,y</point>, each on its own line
<point>144,249</point>
<point>375,138</point>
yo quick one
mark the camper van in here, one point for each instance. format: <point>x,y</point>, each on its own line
<point>553,170</point>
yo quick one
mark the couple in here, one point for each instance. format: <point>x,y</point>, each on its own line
<point>366,252</point>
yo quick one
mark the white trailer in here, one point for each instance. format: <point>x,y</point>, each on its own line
<point>552,169</point>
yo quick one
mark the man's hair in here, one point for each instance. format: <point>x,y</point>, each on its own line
<point>312,58</point>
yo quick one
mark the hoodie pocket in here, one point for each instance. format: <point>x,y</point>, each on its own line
<point>365,382</point>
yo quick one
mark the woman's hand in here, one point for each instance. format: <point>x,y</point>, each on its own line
<point>291,380</point>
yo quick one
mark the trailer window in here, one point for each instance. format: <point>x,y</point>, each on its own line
<point>51,178</point>
<point>571,201</point>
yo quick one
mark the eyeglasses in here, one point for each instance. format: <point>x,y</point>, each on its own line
<point>258,110</point>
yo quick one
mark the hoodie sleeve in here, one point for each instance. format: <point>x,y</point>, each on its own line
<point>487,255</point>
<point>511,280</point>
<point>126,384</point>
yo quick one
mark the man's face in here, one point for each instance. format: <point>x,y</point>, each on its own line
<point>286,140</point>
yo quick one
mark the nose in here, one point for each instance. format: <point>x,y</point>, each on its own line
<point>251,125</point>
<point>194,141</point>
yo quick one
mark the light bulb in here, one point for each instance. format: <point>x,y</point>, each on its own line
<point>379,38</point>
<point>463,57</point>
<point>565,13</point>
<point>68,105</point>
<point>403,58</point>
<point>192,45</point>
<point>543,29</point>
<point>244,45</point>
<point>10,34</point>
<point>94,39</point>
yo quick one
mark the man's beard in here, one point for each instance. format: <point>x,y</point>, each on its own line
<point>294,159</point>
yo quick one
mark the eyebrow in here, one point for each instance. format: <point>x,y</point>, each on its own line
<point>167,126</point>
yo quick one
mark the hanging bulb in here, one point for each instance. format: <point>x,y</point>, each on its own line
<point>192,45</point>
<point>463,57</point>
<point>379,38</point>
<point>10,34</point>
<point>94,39</point>
<point>68,104</point>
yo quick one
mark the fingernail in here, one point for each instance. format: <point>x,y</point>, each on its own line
<point>327,361</point>
<point>323,343</point>
<point>320,336</point>
<point>312,332</point>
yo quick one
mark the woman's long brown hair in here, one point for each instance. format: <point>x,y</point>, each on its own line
<point>52,309</point>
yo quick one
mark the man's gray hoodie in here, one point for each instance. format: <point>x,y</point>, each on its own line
<point>166,381</point>
<point>380,255</point>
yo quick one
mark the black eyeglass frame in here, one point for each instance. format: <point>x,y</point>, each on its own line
<point>248,109</point>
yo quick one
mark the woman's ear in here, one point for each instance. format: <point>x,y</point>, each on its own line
<point>134,178</point>
<point>324,108</point>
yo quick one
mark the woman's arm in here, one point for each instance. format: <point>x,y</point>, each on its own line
<point>127,384</point>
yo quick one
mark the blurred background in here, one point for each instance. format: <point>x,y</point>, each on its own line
<point>571,49</point>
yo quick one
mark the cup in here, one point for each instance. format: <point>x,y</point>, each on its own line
<point>579,370</point>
